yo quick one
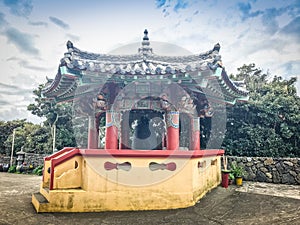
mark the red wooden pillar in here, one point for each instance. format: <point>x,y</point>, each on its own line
<point>172,130</point>
<point>195,134</point>
<point>92,134</point>
<point>111,133</point>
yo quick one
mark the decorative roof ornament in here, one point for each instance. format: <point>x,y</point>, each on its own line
<point>145,50</point>
<point>69,45</point>
<point>146,38</point>
<point>217,47</point>
<point>49,80</point>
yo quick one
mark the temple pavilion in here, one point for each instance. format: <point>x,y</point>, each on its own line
<point>152,107</point>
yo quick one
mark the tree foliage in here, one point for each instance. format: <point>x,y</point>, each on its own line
<point>268,124</point>
<point>6,130</point>
<point>58,117</point>
<point>32,137</point>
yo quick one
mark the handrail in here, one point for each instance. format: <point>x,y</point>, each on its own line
<point>54,155</point>
<point>56,161</point>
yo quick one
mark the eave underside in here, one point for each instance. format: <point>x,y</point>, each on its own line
<point>70,84</point>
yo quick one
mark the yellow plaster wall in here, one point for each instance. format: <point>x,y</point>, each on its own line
<point>46,174</point>
<point>68,174</point>
<point>206,177</point>
<point>137,189</point>
<point>74,201</point>
<point>140,176</point>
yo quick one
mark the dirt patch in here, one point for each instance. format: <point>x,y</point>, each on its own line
<point>220,206</point>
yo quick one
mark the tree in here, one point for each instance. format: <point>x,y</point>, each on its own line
<point>6,130</point>
<point>37,140</point>
<point>32,137</point>
<point>268,124</point>
<point>58,119</point>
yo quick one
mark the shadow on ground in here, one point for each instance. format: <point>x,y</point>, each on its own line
<point>220,206</point>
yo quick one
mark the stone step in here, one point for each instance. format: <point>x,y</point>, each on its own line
<point>39,202</point>
<point>45,192</point>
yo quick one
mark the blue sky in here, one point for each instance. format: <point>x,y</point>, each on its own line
<point>33,35</point>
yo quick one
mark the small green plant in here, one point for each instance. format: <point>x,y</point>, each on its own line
<point>231,176</point>
<point>237,170</point>
<point>12,169</point>
<point>38,170</point>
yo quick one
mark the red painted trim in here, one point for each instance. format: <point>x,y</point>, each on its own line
<point>111,137</point>
<point>172,138</point>
<point>173,131</point>
<point>60,159</point>
<point>66,149</point>
<point>51,176</point>
<point>151,153</point>
<point>54,155</point>
<point>195,140</point>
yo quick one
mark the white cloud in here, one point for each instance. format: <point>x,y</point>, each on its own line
<point>262,32</point>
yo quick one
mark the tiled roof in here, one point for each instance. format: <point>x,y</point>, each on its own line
<point>77,64</point>
<point>140,63</point>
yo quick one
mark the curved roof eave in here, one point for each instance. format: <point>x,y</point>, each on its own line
<point>77,64</point>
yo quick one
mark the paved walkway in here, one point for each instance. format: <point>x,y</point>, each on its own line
<point>279,190</point>
<point>253,203</point>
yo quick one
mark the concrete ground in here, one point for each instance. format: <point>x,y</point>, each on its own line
<point>254,203</point>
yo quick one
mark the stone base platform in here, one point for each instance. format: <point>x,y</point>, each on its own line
<point>88,180</point>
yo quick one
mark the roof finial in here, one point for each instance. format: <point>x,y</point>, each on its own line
<point>69,44</point>
<point>217,47</point>
<point>145,49</point>
<point>145,38</point>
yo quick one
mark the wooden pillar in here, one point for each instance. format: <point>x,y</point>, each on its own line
<point>195,134</point>
<point>92,134</point>
<point>111,132</point>
<point>172,130</point>
<point>124,140</point>
<point>125,130</point>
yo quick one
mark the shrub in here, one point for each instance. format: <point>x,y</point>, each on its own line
<point>12,169</point>
<point>38,170</point>
<point>237,170</point>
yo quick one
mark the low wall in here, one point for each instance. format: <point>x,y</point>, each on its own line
<point>272,170</point>
<point>262,169</point>
<point>6,159</point>
<point>30,159</point>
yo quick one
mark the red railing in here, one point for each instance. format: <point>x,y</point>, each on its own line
<point>59,160</point>
<point>54,155</point>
